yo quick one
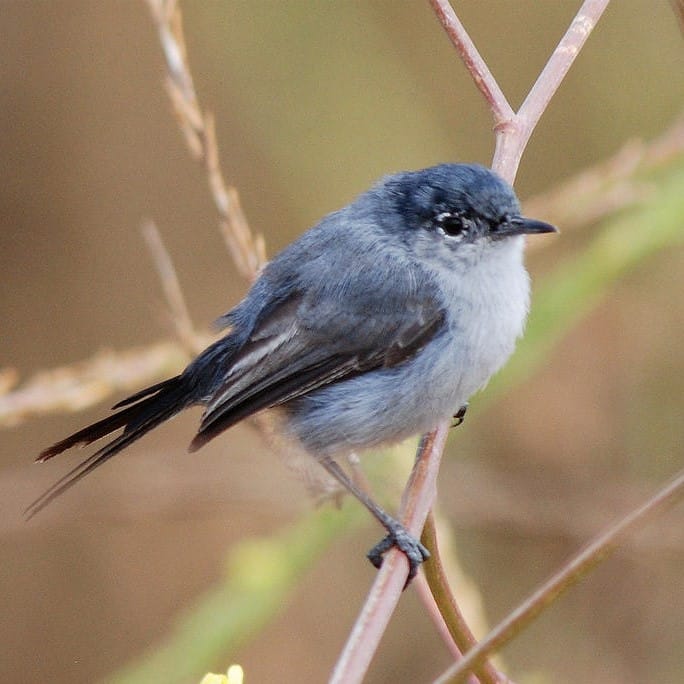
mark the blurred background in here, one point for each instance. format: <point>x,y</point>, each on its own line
<point>313,101</point>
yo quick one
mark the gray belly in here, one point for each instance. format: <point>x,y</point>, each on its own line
<point>391,404</point>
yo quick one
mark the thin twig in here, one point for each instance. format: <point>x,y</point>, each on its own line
<point>609,186</point>
<point>484,80</point>
<point>513,130</point>
<point>453,617</point>
<point>430,605</point>
<point>178,310</point>
<point>389,582</point>
<point>573,571</point>
<point>510,147</point>
<point>247,250</point>
<point>78,386</point>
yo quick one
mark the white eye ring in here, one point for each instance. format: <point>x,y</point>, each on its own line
<point>456,222</point>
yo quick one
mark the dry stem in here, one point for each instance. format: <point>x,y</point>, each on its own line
<point>484,80</point>
<point>609,186</point>
<point>178,310</point>
<point>247,250</point>
<point>573,571</point>
<point>453,617</point>
<point>389,582</point>
<point>78,386</point>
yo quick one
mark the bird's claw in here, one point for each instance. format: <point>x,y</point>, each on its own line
<point>398,537</point>
<point>459,416</point>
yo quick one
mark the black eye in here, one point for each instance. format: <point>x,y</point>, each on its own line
<point>451,224</point>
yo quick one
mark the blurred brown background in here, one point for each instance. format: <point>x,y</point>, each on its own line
<point>313,101</point>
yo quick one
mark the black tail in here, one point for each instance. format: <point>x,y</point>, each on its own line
<point>144,411</point>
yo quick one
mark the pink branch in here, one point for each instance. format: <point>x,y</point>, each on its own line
<point>477,67</point>
<point>513,130</point>
<point>384,594</point>
<point>561,60</point>
<point>512,134</point>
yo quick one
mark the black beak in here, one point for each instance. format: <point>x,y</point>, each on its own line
<point>518,225</point>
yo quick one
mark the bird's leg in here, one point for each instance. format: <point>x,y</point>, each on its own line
<point>459,416</point>
<point>397,535</point>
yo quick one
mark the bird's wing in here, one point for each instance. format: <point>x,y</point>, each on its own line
<point>298,348</point>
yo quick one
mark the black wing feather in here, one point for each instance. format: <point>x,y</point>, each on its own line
<point>167,399</point>
<point>299,374</point>
<point>270,393</point>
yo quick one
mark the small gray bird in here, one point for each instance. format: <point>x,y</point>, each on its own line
<point>375,325</point>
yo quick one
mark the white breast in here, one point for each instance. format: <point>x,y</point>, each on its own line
<point>487,312</point>
<point>497,294</point>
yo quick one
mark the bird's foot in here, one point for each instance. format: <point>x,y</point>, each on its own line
<point>459,416</point>
<point>399,537</point>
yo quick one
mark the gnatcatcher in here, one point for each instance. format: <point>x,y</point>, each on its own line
<point>375,325</point>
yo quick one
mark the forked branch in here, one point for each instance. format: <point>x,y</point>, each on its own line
<point>513,131</point>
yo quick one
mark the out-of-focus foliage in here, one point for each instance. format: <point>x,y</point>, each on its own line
<point>581,281</point>
<point>262,573</point>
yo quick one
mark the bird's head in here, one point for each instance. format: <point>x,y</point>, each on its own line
<point>456,208</point>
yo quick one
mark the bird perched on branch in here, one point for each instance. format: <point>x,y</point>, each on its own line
<point>375,325</point>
